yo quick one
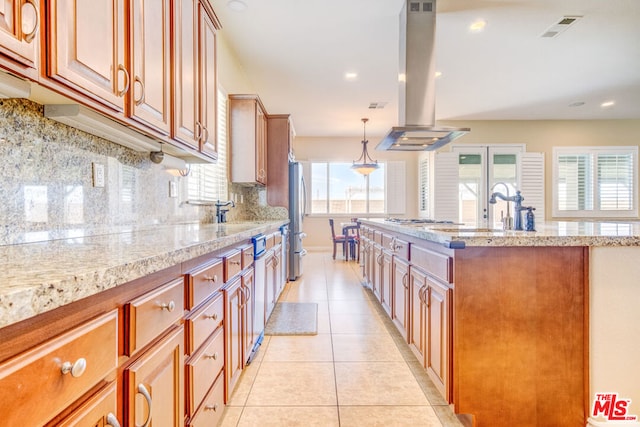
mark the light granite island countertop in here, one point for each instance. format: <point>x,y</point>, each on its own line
<point>612,251</point>
<point>41,276</point>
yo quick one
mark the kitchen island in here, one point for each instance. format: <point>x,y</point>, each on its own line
<point>96,327</point>
<point>517,328</point>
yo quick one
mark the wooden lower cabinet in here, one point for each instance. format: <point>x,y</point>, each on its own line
<point>233,302</point>
<point>212,409</point>
<point>400,295</point>
<point>386,280</point>
<point>154,384</point>
<point>99,411</point>
<point>271,264</point>
<point>438,330</point>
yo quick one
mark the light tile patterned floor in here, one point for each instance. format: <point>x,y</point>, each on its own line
<point>356,372</point>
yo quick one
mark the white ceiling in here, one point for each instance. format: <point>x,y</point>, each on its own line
<point>296,53</point>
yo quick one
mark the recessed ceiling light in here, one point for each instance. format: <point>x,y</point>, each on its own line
<point>350,76</point>
<point>438,74</point>
<point>402,77</point>
<point>608,104</point>
<point>237,5</point>
<point>477,26</point>
<point>576,104</point>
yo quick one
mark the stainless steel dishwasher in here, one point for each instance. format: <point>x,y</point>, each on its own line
<point>259,252</point>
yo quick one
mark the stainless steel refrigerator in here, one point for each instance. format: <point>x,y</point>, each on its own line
<point>297,211</point>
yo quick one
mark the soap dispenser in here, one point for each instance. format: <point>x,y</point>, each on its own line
<point>530,223</point>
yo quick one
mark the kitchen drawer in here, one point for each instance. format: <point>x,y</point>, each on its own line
<point>271,240</point>
<point>232,264</point>
<point>202,323</point>
<point>277,238</point>
<point>152,313</point>
<point>434,263</point>
<point>203,368</point>
<point>40,383</point>
<point>247,256</point>
<point>212,408</point>
<point>99,410</point>
<point>397,246</point>
<point>203,282</point>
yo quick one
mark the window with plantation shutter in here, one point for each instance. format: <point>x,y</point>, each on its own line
<point>208,182</point>
<point>597,182</point>
<point>423,196</point>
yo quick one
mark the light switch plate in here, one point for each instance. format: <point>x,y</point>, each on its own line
<point>98,175</point>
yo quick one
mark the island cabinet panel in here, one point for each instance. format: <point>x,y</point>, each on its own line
<point>86,48</point>
<point>400,295</point>
<point>520,335</point>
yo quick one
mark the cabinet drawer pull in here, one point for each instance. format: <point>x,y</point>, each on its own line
<point>30,35</point>
<point>126,80</point>
<point>76,369</point>
<point>145,393</point>
<point>198,133</point>
<point>213,407</point>
<point>112,420</point>
<point>404,280</point>
<point>213,356</point>
<point>212,279</point>
<point>234,262</point>
<point>206,134</point>
<point>168,306</point>
<point>213,316</point>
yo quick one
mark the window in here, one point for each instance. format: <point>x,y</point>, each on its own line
<point>337,189</point>
<point>209,182</point>
<point>596,182</point>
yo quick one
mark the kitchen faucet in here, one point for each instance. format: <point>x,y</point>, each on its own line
<point>517,202</point>
<point>221,214</point>
<point>507,222</point>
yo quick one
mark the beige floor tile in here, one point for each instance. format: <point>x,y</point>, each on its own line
<point>293,384</point>
<point>356,324</point>
<point>317,416</point>
<point>377,383</point>
<point>243,387</point>
<point>365,348</point>
<point>306,293</point>
<point>388,416</point>
<point>358,306</point>
<point>344,292</point>
<point>231,416</point>
<point>304,348</point>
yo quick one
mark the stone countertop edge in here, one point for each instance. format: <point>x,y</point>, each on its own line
<point>552,233</point>
<point>42,276</point>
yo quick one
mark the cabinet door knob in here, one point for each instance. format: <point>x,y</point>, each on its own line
<point>76,369</point>
<point>170,306</point>
<point>213,356</point>
<point>112,420</point>
<point>213,407</point>
<point>145,393</point>
<point>212,279</point>
<point>234,262</point>
<point>213,316</point>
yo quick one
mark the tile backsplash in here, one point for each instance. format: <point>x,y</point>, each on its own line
<point>48,191</point>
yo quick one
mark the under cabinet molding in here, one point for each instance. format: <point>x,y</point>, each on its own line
<point>13,87</point>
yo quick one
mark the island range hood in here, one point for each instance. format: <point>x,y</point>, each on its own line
<point>416,130</point>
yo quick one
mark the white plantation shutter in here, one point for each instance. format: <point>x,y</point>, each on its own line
<point>395,191</point>
<point>595,181</point>
<point>445,203</point>
<point>424,185</point>
<point>532,182</point>
<point>208,182</point>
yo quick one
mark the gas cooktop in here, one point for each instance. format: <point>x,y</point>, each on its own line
<point>405,221</point>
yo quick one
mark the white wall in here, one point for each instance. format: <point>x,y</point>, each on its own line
<point>349,149</point>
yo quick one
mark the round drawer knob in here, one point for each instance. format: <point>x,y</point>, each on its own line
<point>169,307</point>
<point>213,316</point>
<point>213,278</point>
<point>213,407</point>
<point>213,356</point>
<point>76,369</point>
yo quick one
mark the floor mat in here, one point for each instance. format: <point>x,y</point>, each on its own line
<point>293,318</point>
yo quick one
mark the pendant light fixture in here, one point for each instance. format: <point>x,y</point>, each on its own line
<point>365,164</point>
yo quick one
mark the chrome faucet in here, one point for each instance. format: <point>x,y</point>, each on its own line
<point>517,206</point>
<point>507,222</point>
<point>221,214</point>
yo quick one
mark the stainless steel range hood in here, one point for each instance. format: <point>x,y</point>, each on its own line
<point>416,130</point>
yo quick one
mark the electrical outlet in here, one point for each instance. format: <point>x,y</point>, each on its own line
<point>173,189</point>
<point>98,174</point>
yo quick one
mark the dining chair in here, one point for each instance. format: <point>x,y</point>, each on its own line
<point>338,239</point>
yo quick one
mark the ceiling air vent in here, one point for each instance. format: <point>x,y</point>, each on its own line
<point>560,26</point>
<point>377,105</point>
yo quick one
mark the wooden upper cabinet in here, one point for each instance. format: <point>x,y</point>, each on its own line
<point>248,136</point>
<point>280,136</point>
<point>86,50</point>
<point>195,88</point>
<point>19,41</point>
<point>150,63</point>
<point>209,87</point>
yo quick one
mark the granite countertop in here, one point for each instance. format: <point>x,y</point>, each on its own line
<point>551,233</point>
<point>37,277</point>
